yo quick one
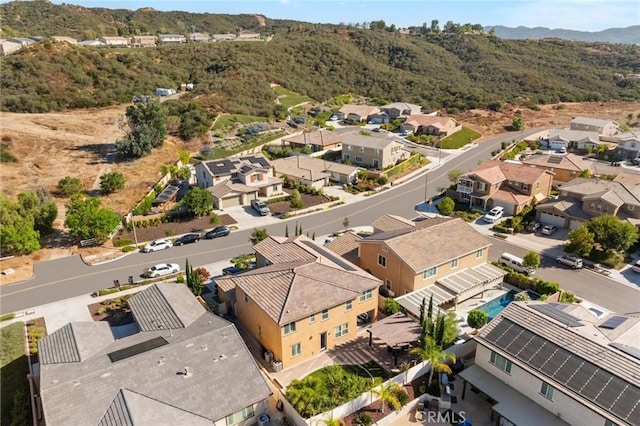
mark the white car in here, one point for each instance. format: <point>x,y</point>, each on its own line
<point>156,245</point>
<point>161,269</point>
<point>636,267</point>
<point>494,214</point>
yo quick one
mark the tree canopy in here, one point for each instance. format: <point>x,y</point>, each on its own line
<point>611,233</point>
<point>86,219</point>
<point>198,201</point>
<point>147,128</point>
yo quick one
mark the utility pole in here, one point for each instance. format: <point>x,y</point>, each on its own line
<point>133,225</point>
<point>426,186</point>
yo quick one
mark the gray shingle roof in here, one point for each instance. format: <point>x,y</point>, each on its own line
<point>158,391</point>
<point>74,342</point>
<point>164,306</point>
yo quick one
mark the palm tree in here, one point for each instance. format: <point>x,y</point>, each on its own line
<point>389,394</point>
<point>435,356</point>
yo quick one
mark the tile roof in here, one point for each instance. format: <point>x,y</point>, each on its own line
<point>74,342</point>
<point>361,110</point>
<point>569,135</point>
<point>510,171</point>
<point>564,162</point>
<point>573,354</point>
<point>302,166</point>
<point>290,291</point>
<point>428,120</point>
<point>569,207</point>
<point>591,121</point>
<point>318,137</point>
<point>346,245</point>
<point>166,306</point>
<point>402,106</point>
<point>625,189</point>
<point>369,141</point>
<point>84,392</point>
<point>228,166</point>
<point>283,250</point>
<point>390,222</point>
<point>233,186</point>
<point>453,238</point>
<point>505,193</point>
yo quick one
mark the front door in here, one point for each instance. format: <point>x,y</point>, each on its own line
<point>323,341</point>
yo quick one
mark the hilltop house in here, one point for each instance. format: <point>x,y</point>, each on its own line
<point>564,167</point>
<point>235,181</point>
<point>248,35</point>
<point>375,152</point>
<point>602,127</point>
<point>171,39</point>
<point>8,47</point>
<point>115,41</point>
<point>313,171</point>
<point>628,145</point>
<point>64,39</point>
<point>357,113</point>
<point>316,141</point>
<point>143,41</point>
<point>569,139</point>
<point>558,364</point>
<point>400,110</point>
<point>581,199</point>
<point>223,37</point>
<point>430,125</point>
<point>198,37</point>
<point>498,183</point>
<point>163,373</point>
<point>301,299</point>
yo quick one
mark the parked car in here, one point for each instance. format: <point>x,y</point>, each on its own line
<point>636,267</point>
<point>562,150</point>
<point>231,270</point>
<point>532,226</point>
<point>494,214</point>
<point>156,245</point>
<point>549,229</point>
<point>161,269</point>
<point>187,239</point>
<point>218,231</point>
<point>568,260</point>
<point>260,207</point>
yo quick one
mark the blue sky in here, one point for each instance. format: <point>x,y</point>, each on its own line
<point>584,15</point>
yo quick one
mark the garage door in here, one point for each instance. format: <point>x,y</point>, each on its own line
<point>231,201</point>
<point>508,207</point>
<point>551,219</point>
<point>575,224</point>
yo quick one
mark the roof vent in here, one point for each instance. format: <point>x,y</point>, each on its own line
<point>187,373</point>
<point>102,376</point>
<point>188,345</point>
<point>161,360</point>
<point>204,347</point>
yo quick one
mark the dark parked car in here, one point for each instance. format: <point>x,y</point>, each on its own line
<point>532,226</point>
<point>231,270</point>
<point>187,239</point>
<point>218,231</point>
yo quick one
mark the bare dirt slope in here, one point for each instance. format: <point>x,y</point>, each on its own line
<point>81,144</point>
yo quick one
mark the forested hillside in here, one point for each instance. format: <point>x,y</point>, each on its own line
<point>453,71</point>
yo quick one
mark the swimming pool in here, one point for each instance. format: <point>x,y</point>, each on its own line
<point>494,307</point>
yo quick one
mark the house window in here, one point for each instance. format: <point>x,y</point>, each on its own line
<point>429,273</point>
<point>252,178</point>
<point>525,187</point>
<point>362,149</point>
<point>274,187</point>
<point>387,284</point>
<point>358,159</point>
<point>312,318</point>
<point>348,306</point>
<point>290,328</point>
<point>366,295</point>
<point>501,362</point>
<point>479,253</point>
<point>239,416</point>
<point>259,331</point>
<point>454,263</point>
<point>296,350</point>
<point>325,314</point>
<point>376,164</point>
<point>342,330</point>
<point>382,261</point>
<point>592,206</point>
<point>482,186</point>
<point>246,298</point>
<point>546,390</point>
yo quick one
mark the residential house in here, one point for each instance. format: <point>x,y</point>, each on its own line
<point>143,41</point>
<point>378,118</point>
<point>358,113</point>
<point>602,127</point>
<point>165,372</point>
<point>64,39</point>
<point>421,124</point>
<point>628,145</point>
<point>171,39</point>
<point>570,139</point>
<point>115,41</point>
<point>223,37</point>
<point>564,167</point>
<point>248,35</point>
<point>316,141</point>
<point>301,300</point>
<point>235,181</point>
<point>8,47</point>
<point>581,199</point>
<point>400,110</point>
<point>23,41</point>
<point>91,43</point>
<point>558,364</point>
<point>198,37</point>
<point>313,172</point>
<point>499,183</point>
<point>377,152</point>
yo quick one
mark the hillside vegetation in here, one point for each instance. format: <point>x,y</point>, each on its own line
<point>439,70</point>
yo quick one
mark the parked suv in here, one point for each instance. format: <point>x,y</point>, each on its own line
<point>568,260</point>
<point>494,214</point>
<point>260,207</point>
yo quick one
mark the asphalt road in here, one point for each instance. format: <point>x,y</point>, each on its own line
<point>63,278</point>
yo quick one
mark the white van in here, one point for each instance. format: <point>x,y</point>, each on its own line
<point>516,263</point>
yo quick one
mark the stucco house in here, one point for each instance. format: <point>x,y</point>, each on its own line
<point>570,139</point>
<point>421,124</point>
<point>316,141</point>
<point>581,199</point>
<point>64,39</point>
<point>558,364</point>
<point>8,47</point>
<point>376,152</point>
<point>400,109</point>
<point>171,39</point>
<point>223,37</point>
<point>602,127</point>
<point>143,41</point>
<point>628,145</point>
<point>564,167</point>
<point>314,171</point>
<point>301,300</point>
<point>198,37</point>
<point>358,113</point>
<point>161,373</point>
<point>115,41</point>
<point>235,181</point>
<point>498,183</point>
<point>248,35</point>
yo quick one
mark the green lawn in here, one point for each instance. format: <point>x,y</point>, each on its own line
<point>459,139</point>
<point>289,98</point>
<point>224,152</point>
<point>234,120</point>
<point>14,398</point>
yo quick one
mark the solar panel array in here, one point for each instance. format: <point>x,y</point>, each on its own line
<point>613,322</point>
<point>554,159</point>
<point>549,310</point>
<point>137,349</point>
<point>599,386</point>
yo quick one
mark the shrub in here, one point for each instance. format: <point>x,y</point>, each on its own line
<point>477,318</point>
<point>382,180</point>
<point>127,249</point>
<point>546,287</point>
<point>363,419</point>
<point>391,306</point>
<point>180,279</point>
<point>68,186</point>
<point>123,242</point>
<point>7,317</point>
<point>111,182</point>
<point>446,206</point>
<point>296,200</point>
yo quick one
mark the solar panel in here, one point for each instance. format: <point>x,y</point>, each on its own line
<point>629,350</point>
<point>554,362</point>
<point>627,406</point>
<point>610,393</point>
<point>613,322</point>
<point>563,317</point>
<point>582,376</point>
<point>554,159</point>
<point>568,369</point>
<point>520,342</point>
<point>542,355</point>
<point>498,331</point>
<point>596,384</point>
<point>530,349</point>
<point>137,349</point>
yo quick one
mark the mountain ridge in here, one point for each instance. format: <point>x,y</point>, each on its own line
<point>623,35</point>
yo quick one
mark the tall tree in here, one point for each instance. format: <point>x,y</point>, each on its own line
<point>86,219</point>
<point>147,128</point>
<point>389,395</point>
<point>612,233</point>
<point>435,356</point>
<point>198,201</point>
<point>440,329</point>
<point>17,231</point>
<point>423,306</point>
<point>581,241</point>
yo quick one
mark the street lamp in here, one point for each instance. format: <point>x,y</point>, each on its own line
<point>133,225</point>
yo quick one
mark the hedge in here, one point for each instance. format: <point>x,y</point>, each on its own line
<point>7,317</point>
<point>403,166</point>
<point>528,283</point>
<point>123,242</point>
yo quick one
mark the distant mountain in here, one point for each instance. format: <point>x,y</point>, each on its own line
<point>629,35</point>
